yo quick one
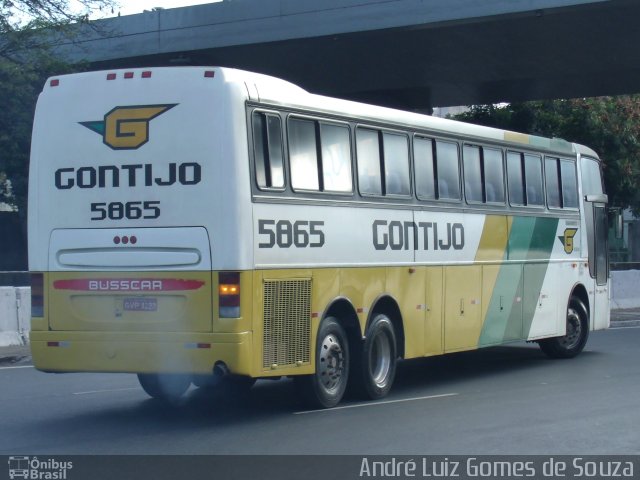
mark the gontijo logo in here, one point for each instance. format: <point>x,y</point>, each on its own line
<point>567,239</point>
<point>127,128</point>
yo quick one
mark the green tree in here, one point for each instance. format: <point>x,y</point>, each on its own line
<point>27,28</point>
<point>609,125</point>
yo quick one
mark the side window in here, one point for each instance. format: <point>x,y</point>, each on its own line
<point>515,178</point>
<point>303,155</point>
<point>493,175</point>
<point>383,162</point>
<point>448,170</point>
<point>483,175</point>
<point>552,182</point>
<point>569,184</point>
<point>368,154</point>
<point>336,157</point>
<point>524,176</point>
<point>319,156</point>
<point>267,149</point>
<point>533,180</point>
<point>423,165</point>
<point>396,164</point>
<point>472,173</point>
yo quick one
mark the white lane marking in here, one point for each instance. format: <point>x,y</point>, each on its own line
<point>19,366</point>
<point>373,404</point>
<point>623,327</point>
<point>105,391</point>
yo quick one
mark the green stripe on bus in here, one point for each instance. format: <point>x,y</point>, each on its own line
<point>531,238</point>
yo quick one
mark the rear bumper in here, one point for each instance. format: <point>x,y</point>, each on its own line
<point>135,352</point>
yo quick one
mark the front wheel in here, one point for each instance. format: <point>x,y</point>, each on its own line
<point>325,388</point>
<point>572,343</point>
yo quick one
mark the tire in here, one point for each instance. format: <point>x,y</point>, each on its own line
<point>326,387</point>
<point>375,364</point>
<point>169,387</point>
<point>573,342</point>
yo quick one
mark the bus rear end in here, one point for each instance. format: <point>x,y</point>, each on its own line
<point>126,199</point>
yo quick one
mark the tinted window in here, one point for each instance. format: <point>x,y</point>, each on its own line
<point>423,159</point>
<point>515,178</point>
<point>396,164</point>
<point>368,155</point>
<point>448,170</point>
<point>533,179</point>
<point>569,184</point>
<point>493,175</point>
<point>472,173</point>
<point>267,147</point>
<point>303,157</point>
<point>552,182</point>
<point>336,157</point>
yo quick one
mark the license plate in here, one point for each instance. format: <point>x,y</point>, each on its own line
<point>140,304</point>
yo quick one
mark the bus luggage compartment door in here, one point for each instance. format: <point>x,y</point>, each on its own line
<point>130,279</point>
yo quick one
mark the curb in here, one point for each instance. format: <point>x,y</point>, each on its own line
<point>15,355</point>
<point>625,324</point>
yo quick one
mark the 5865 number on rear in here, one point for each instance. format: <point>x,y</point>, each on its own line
<point>126,210</point>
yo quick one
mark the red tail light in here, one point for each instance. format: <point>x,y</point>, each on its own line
<point>37,295</point>
<point>229,294</point>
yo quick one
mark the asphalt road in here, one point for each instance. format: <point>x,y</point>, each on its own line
<point>505,400</point>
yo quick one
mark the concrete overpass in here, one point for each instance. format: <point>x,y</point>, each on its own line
<point>412,54</point>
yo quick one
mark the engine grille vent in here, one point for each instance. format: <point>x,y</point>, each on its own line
<point>287,323</point>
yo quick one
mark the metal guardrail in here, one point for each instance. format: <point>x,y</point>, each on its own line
<point>15,279</point>
<point>625,265</point>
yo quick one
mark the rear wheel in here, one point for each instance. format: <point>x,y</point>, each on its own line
<point>325,388</point>
<point>573,342</point>
<point>375,365</point>
<point>167,387</point>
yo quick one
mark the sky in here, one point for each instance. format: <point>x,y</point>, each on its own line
<point>130,7</point>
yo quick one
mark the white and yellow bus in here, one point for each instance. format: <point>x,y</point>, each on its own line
<point>189,224</point>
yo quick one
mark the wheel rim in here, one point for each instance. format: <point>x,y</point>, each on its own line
<point>380,359</point>
<point>574,330</point>
<point>331,364</point>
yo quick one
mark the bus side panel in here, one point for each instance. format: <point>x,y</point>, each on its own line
<point>501,284</point>
<point>363,286</point>
<point>434,326</point>
<point>502,300</point>
<point>463,302</point>
<point>406,286</point>
<point>288,305</point>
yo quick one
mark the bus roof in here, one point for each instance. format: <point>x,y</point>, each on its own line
<point>276,91</point>
<point>280,92</point>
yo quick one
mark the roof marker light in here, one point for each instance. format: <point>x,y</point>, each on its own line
<point>111,76</point>
<point>54,83</point>
<point>146,74</point>
<point>128,74</point>
<point>209,74</point>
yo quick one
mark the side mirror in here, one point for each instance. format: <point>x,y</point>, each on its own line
<point>597,198</point>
